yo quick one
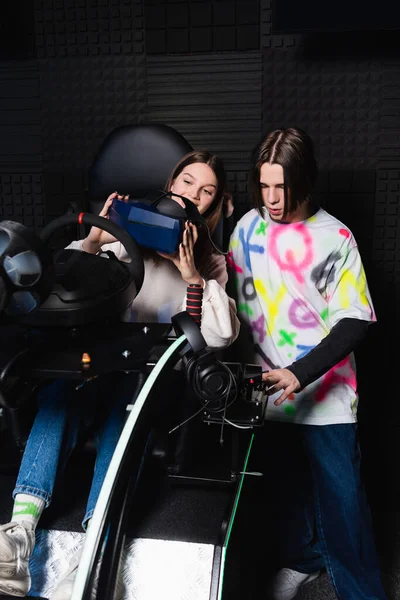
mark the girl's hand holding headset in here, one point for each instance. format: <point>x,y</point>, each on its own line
<point>98,237</point>
<point>183,259</point>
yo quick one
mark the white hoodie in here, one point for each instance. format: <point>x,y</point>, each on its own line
<point>163,294</point>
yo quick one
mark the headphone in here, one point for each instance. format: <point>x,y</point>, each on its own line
<point>211,380</point>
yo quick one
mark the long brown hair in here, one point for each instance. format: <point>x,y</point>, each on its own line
<point>293,149</point>
<point>203,248</point>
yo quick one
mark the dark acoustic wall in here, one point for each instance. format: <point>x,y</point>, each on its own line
<point>73,70</point>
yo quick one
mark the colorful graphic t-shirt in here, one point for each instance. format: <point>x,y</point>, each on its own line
<point>294,283</point>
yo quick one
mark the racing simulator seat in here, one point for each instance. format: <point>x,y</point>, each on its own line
<point>173,541</point>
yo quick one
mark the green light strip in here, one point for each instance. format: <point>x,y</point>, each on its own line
<point>231,520</point>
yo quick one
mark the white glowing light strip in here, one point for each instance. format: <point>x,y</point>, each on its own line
<point>101,505</point>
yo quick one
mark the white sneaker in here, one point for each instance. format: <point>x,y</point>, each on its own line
<point>17,541</point>
<point>286,584</point>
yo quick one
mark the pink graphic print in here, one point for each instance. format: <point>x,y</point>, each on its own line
<point>231,262</point>
<point>289,261</point>
<point>332,377</point>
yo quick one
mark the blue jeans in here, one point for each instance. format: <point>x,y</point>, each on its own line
<point>319,500</point>
<point>64,414</point>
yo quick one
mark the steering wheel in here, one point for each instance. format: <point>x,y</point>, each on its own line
<point>89,288</point>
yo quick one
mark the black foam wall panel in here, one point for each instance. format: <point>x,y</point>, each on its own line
<point>218,72</point>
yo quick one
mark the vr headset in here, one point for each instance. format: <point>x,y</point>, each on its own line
<point>157,224</point>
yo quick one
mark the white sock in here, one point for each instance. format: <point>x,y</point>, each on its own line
<point>27,508</point>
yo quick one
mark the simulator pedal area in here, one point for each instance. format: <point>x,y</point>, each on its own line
<point>164,516</point>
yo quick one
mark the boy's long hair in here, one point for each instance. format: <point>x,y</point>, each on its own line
<point>293,149</point>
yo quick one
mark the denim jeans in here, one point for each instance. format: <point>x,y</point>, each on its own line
<point>64,414</point>
<point>316,492</point>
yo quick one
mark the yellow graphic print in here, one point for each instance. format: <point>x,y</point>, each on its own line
<point>272,304</point>
<point>349,282</point>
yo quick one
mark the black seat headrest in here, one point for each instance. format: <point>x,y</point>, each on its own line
<point>134,160</point>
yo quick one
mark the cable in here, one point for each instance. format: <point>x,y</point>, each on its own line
<point>215,246</point>
<point>221,435</point>
<point>185,421</point>
<point>238,426</point>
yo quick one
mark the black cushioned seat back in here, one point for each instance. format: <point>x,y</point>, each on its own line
<point>134,160</point>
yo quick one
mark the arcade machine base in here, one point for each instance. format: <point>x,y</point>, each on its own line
<point>175,548</point>
<point>180,523</point>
